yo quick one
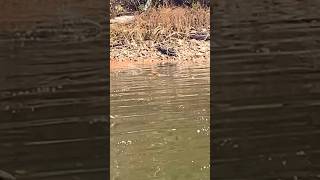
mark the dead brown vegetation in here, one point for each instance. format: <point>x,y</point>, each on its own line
<point>161,24</point>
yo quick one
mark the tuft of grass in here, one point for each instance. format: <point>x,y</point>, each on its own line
<point>161,24</point>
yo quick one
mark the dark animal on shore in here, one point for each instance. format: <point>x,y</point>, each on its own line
<point>165,50</point>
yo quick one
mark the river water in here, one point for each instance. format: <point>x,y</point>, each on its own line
<point>160,123</point>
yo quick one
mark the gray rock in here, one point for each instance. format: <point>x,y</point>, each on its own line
<point>200,36</point>
<point>165,50</point>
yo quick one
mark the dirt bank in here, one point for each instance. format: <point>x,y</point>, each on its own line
<point>186,51</point>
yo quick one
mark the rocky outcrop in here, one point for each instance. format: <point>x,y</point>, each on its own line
<point>122,20</point>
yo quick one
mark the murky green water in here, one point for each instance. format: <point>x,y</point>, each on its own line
<point>160,124</point>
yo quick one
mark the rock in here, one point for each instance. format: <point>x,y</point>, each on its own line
<point>200,36</point>
<point>122,20</point>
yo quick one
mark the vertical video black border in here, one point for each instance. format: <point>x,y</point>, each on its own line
<point>211,84</point>
<point>107,46</point>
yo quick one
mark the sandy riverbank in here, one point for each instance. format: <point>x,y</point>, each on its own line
<point>191,51</point>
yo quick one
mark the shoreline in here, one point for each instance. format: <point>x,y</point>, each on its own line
<point>188,51</point>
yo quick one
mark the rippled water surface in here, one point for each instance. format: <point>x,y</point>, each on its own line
<point>160,123</point>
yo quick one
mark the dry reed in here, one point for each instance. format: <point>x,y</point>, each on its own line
<point>161,24</point>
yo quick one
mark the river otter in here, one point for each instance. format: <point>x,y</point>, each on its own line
<point>166,50</point>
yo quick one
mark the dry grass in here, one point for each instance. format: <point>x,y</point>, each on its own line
<point>161,24</point>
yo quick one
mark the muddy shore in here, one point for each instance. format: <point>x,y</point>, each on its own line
<point>185,50</point>
<point>188,52</point>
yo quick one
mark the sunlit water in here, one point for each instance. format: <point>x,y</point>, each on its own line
<point>160,120</point>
